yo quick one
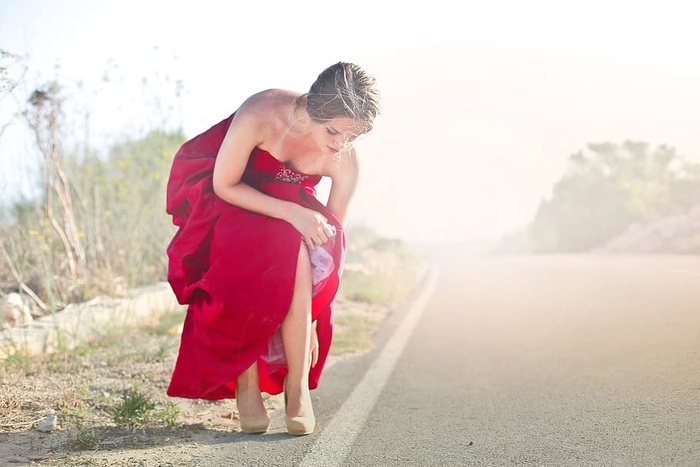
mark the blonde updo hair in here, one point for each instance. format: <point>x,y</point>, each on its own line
<point>344,90</point>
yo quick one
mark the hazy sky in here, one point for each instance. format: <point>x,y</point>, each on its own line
<point>483,102</point>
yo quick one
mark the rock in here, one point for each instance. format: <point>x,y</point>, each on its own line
<point>48,424</point>
<point>14,311</point>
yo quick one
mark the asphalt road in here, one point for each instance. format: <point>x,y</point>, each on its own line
<point>537,361</point>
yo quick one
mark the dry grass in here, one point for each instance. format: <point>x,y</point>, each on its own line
<point>84,386</point>
<point>87,387</point>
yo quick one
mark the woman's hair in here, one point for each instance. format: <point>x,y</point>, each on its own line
<point>344,90</point>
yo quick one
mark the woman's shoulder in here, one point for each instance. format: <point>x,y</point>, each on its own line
<point>267,107</point>
<point>269,100</point>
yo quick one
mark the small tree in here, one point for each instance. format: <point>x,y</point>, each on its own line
<point>607,189</point>
<point>44,118</point>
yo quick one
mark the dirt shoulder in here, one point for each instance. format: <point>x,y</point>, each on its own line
<point>109,402</point>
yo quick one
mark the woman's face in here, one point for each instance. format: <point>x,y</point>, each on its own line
<point>332,137</point>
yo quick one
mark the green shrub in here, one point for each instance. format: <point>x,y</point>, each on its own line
<point>135,410</point>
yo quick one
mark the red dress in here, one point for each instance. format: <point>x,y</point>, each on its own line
<point>236,271</point>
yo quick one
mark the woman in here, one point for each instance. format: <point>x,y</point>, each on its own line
<point>257,257</point>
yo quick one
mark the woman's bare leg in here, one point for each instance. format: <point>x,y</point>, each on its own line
<point>296,334</point>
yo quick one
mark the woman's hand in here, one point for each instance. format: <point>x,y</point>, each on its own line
<point>313,226</point>
<point>313,347</point>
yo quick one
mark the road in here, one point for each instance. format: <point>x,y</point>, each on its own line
<point>517,360</point>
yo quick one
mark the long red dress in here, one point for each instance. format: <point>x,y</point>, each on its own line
<point>236,271</point>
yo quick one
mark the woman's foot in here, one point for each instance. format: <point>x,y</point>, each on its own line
<point>300,419</point>
<point>251,408</point>
<point>255,425</point>
<point>252,412</point>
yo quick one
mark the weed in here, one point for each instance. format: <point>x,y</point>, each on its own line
<point>167,414</point>
<point>86,440</point>
<point>18,359</point>
<point>134,411</point>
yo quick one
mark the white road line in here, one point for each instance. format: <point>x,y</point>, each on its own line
<point>336,440</point>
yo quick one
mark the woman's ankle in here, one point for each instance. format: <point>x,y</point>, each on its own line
<point>248,396</point>
<point>298,401</point>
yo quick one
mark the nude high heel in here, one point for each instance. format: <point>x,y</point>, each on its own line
<point>254,423</point>
<point>299,425</point>
<point>257,423</point>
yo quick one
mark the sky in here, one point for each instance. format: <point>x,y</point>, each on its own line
<point>482,102</point>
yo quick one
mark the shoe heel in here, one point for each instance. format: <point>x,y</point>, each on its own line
<point>255,424</point>
<point>299,425</point>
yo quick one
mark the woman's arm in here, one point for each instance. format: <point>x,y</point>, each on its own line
<point>344,175</point>
<point>248,129</point>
